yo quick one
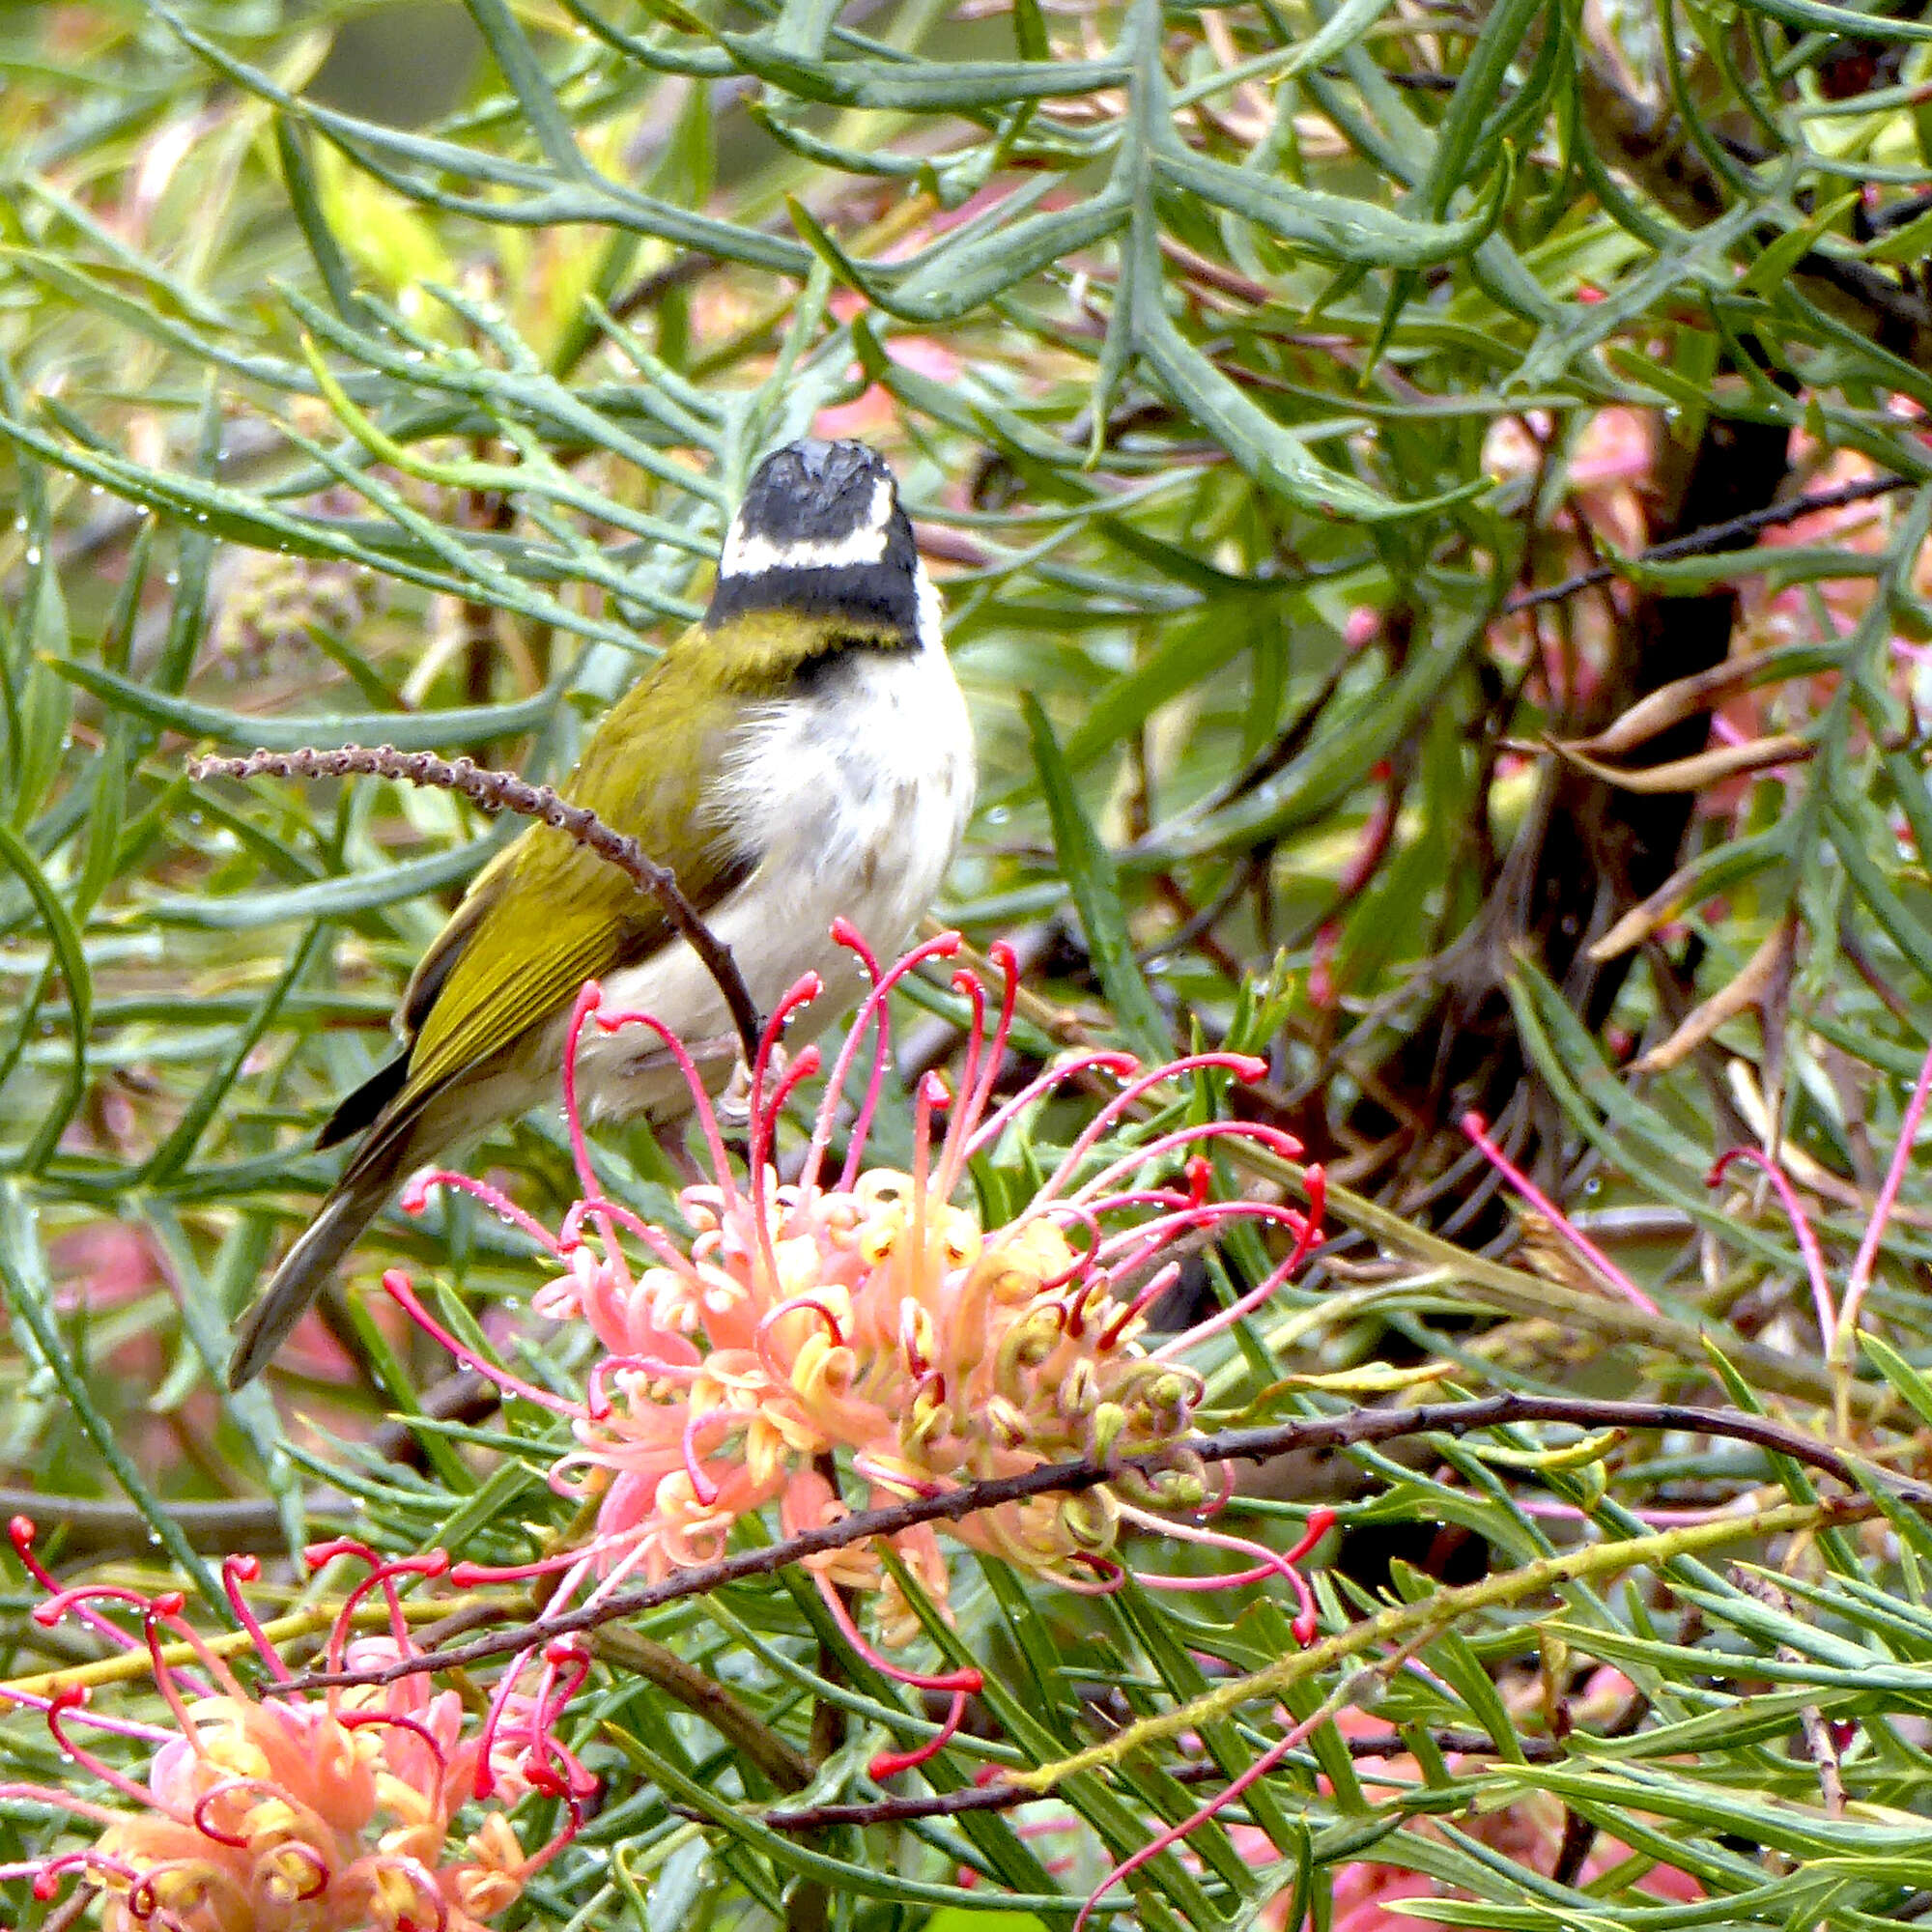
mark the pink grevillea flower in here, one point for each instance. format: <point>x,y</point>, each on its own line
<point>292,1813</point>
<point>869,1316</point>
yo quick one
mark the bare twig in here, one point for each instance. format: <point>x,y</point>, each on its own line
<point>504,791</point>
<point>1818,1739</point>
<point>1355,1428</point>
<point>96,1527</point>
<point>1004,1797</point>
<point>781,1762</point>
<point>1715,537</point>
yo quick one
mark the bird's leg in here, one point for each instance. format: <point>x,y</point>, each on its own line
<point>734,1103</point>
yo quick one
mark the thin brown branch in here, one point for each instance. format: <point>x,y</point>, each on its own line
<point>1711,537</point>
<point>1004,1797</point>
<point>96,1526</point>
<point>785,1765</point>
<point>1354,1429</point>
<point>504,791</point>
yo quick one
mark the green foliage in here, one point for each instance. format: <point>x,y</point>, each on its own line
<point>1250,370</point>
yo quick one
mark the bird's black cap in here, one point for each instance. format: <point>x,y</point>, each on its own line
<point>820,531</point>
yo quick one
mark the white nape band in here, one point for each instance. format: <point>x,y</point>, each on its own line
<point>751,556</point>
<point>931,635</point>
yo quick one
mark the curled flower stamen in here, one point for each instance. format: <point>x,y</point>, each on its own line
<point>1267,1563</point>
<point>962,1682</point>
<point>1801,1226</point>
<point>987,1132</point>
<point>237,1570</point>
<point>79,1598</point>
<point>468,1575</point>
<point>1308,1237</point>
<point>415,1200</point>
<point>597,1402</point>
<point>395,1721</point>
<point>21,1531</point>
<point>706,1116</point>
<point>414,1873</point>
<point>1244,1066</point>
<point>1157,1285</point>
<point>73,1698</point>
<point>570,1234</point>
<point>977,1084</point>
<point>942,945</point>
<point>764,1112</point>
<point>701,1485</point>
<point>1273,1139</point>
<point>1477,1129</point>
<point>589,997</point>
<point>398,1287</point>
<point>300,1814</point>
<point>383,1575</point>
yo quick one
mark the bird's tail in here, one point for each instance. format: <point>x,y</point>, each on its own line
<point>307,1266</point>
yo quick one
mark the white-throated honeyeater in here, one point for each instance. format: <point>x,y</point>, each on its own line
<point>801,752</point>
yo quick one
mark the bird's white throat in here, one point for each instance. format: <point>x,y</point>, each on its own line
<point>855,793</point>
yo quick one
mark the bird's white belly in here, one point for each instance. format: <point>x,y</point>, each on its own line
<point>857,795</point>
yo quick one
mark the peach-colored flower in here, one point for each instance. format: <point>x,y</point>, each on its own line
<point>293,1813</point>
<point>871,1317</point>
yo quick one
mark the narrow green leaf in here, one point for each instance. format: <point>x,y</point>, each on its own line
<point>948,281</point>
<point>1273,456</point>
<point>928,87</point>
<point>1333,227</point>
<point>305,202</point>
<point>518,60</point>
<point>332,899</point>
<point>205,1319</point>
<point>172,1155</point>
<point>406,730</point>
<point>44,709</point>
<point>1096,886</point>
<point>65,942</point>
<point>1910,1384</point>
<point>23,1276</point>
<point>553,197</point>
<point>1906,930</point>
<point>1815,16</point>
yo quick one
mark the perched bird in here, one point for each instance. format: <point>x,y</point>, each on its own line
<point>802,751</point>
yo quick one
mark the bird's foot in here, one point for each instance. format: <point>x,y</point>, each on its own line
<point>734,1104</point>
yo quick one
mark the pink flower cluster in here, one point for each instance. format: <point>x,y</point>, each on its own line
<point>293,1813</point>
<point>870,1317</point>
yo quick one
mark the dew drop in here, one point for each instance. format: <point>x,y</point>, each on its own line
<point>33,556</point>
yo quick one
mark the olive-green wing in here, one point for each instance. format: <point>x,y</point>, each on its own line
<point>548,915</point>
<point>563,917</point>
